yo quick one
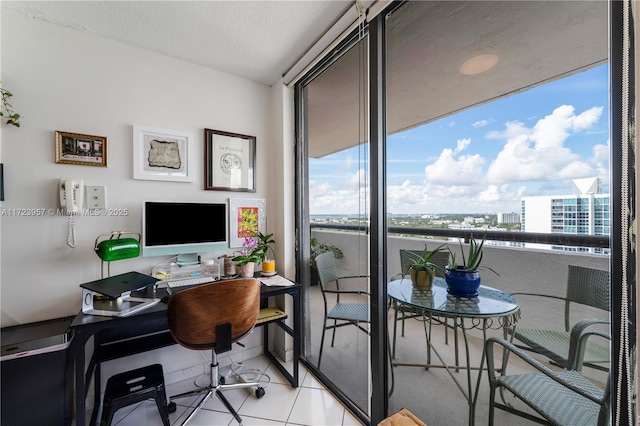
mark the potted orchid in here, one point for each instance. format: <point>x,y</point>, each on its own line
<point>247,257</point>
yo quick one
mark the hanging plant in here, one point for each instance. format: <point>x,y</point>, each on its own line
<point>6,109</point>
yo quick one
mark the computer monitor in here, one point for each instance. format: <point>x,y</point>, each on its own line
<point>184,229</point>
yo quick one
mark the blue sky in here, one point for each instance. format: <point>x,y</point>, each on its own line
<point>484,159</point>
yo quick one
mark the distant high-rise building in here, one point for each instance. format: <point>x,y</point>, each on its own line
<point>508,217</point>
<point>586,213</point>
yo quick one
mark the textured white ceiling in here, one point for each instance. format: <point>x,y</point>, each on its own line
<point>258,40</point>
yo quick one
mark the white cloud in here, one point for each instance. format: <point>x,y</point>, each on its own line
<point>533,159</point>
<point>539,153</point>
<point>587,119</point>
<point>326,198</point>
<point>513,130</point>
<point>462,144</point>
<point>450,169</point>
<point>348,195</point>
<point>491,194</point>
<point>357,179</point>
<point>601,162</point>
<point>348,162</point>
<point>601,153</point>
<point>407,194</point>
<point>480,123</point>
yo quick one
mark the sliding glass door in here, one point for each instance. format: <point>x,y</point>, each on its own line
<point>336,161</point>
<point>472,113</point>
<point>494,112</point>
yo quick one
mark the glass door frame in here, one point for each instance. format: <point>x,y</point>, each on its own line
<point>620,397</point>
<point>303,229</point>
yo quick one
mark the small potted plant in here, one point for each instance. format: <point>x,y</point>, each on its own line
<point>422,269</point>
<point>266,253</point>
<point>463,279</point>
<point>247,257</point>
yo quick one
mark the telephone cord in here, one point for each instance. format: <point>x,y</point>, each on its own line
<point>71,233</point>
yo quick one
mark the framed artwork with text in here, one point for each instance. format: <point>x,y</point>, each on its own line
<point>229,161</point>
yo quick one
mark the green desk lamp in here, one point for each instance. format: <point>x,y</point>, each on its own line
<point>114,247</point>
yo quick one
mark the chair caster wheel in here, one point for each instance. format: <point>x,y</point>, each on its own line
<point>222,380</point>
<point>172,407</point>
<point>260,392</point>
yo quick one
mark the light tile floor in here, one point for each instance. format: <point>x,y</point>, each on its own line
<point>310,404</point>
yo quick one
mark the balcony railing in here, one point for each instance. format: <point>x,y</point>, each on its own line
<point>521,268</point>
<point>593,241</point>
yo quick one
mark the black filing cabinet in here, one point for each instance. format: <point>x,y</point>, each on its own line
<point>37,373</point>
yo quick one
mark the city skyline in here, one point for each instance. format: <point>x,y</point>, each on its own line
<point>485,158</point>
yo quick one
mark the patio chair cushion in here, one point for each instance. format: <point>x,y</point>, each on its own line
<point>357,312</point>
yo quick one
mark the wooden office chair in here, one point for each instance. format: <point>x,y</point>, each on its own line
<point>213,316</point>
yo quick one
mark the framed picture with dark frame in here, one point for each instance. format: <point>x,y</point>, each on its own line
<point>229,161</point>
<point>80,149</point>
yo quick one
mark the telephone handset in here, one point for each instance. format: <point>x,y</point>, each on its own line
<point>71,200</point>
<point>71,195</point>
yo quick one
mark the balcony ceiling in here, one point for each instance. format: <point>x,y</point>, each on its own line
<point>535,42</point>
<point>260,40</point>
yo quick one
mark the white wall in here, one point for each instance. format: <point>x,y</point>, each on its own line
<point>68,80</point>
<point>63,79</point>
<point>282,219</point>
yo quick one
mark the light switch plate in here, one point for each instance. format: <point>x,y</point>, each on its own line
<point>96,197</point>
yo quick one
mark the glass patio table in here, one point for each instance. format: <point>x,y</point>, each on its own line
<point>490,309</point>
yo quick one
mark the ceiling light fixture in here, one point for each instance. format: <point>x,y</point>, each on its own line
<point>479,64</point>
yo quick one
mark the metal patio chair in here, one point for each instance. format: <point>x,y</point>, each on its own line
<point>586,286</point>
<point>562,397</point>
<point>342,314</point>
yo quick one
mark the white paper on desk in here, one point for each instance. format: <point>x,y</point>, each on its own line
<point>275,280</point>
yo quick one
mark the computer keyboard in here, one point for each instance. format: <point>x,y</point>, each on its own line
<point>177,284</point>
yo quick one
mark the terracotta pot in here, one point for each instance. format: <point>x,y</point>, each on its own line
<point>422,279</point>
<point>247,270</point>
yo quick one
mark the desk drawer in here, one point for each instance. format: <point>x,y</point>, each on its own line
<point>134,329</point>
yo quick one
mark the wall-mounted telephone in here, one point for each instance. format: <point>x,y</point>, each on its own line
<point>71,195</point>
<point>71,200</point>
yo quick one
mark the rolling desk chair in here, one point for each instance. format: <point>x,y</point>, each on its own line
<point>213,316</point>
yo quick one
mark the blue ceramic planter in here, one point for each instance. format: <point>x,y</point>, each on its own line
<point>462,283</point>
